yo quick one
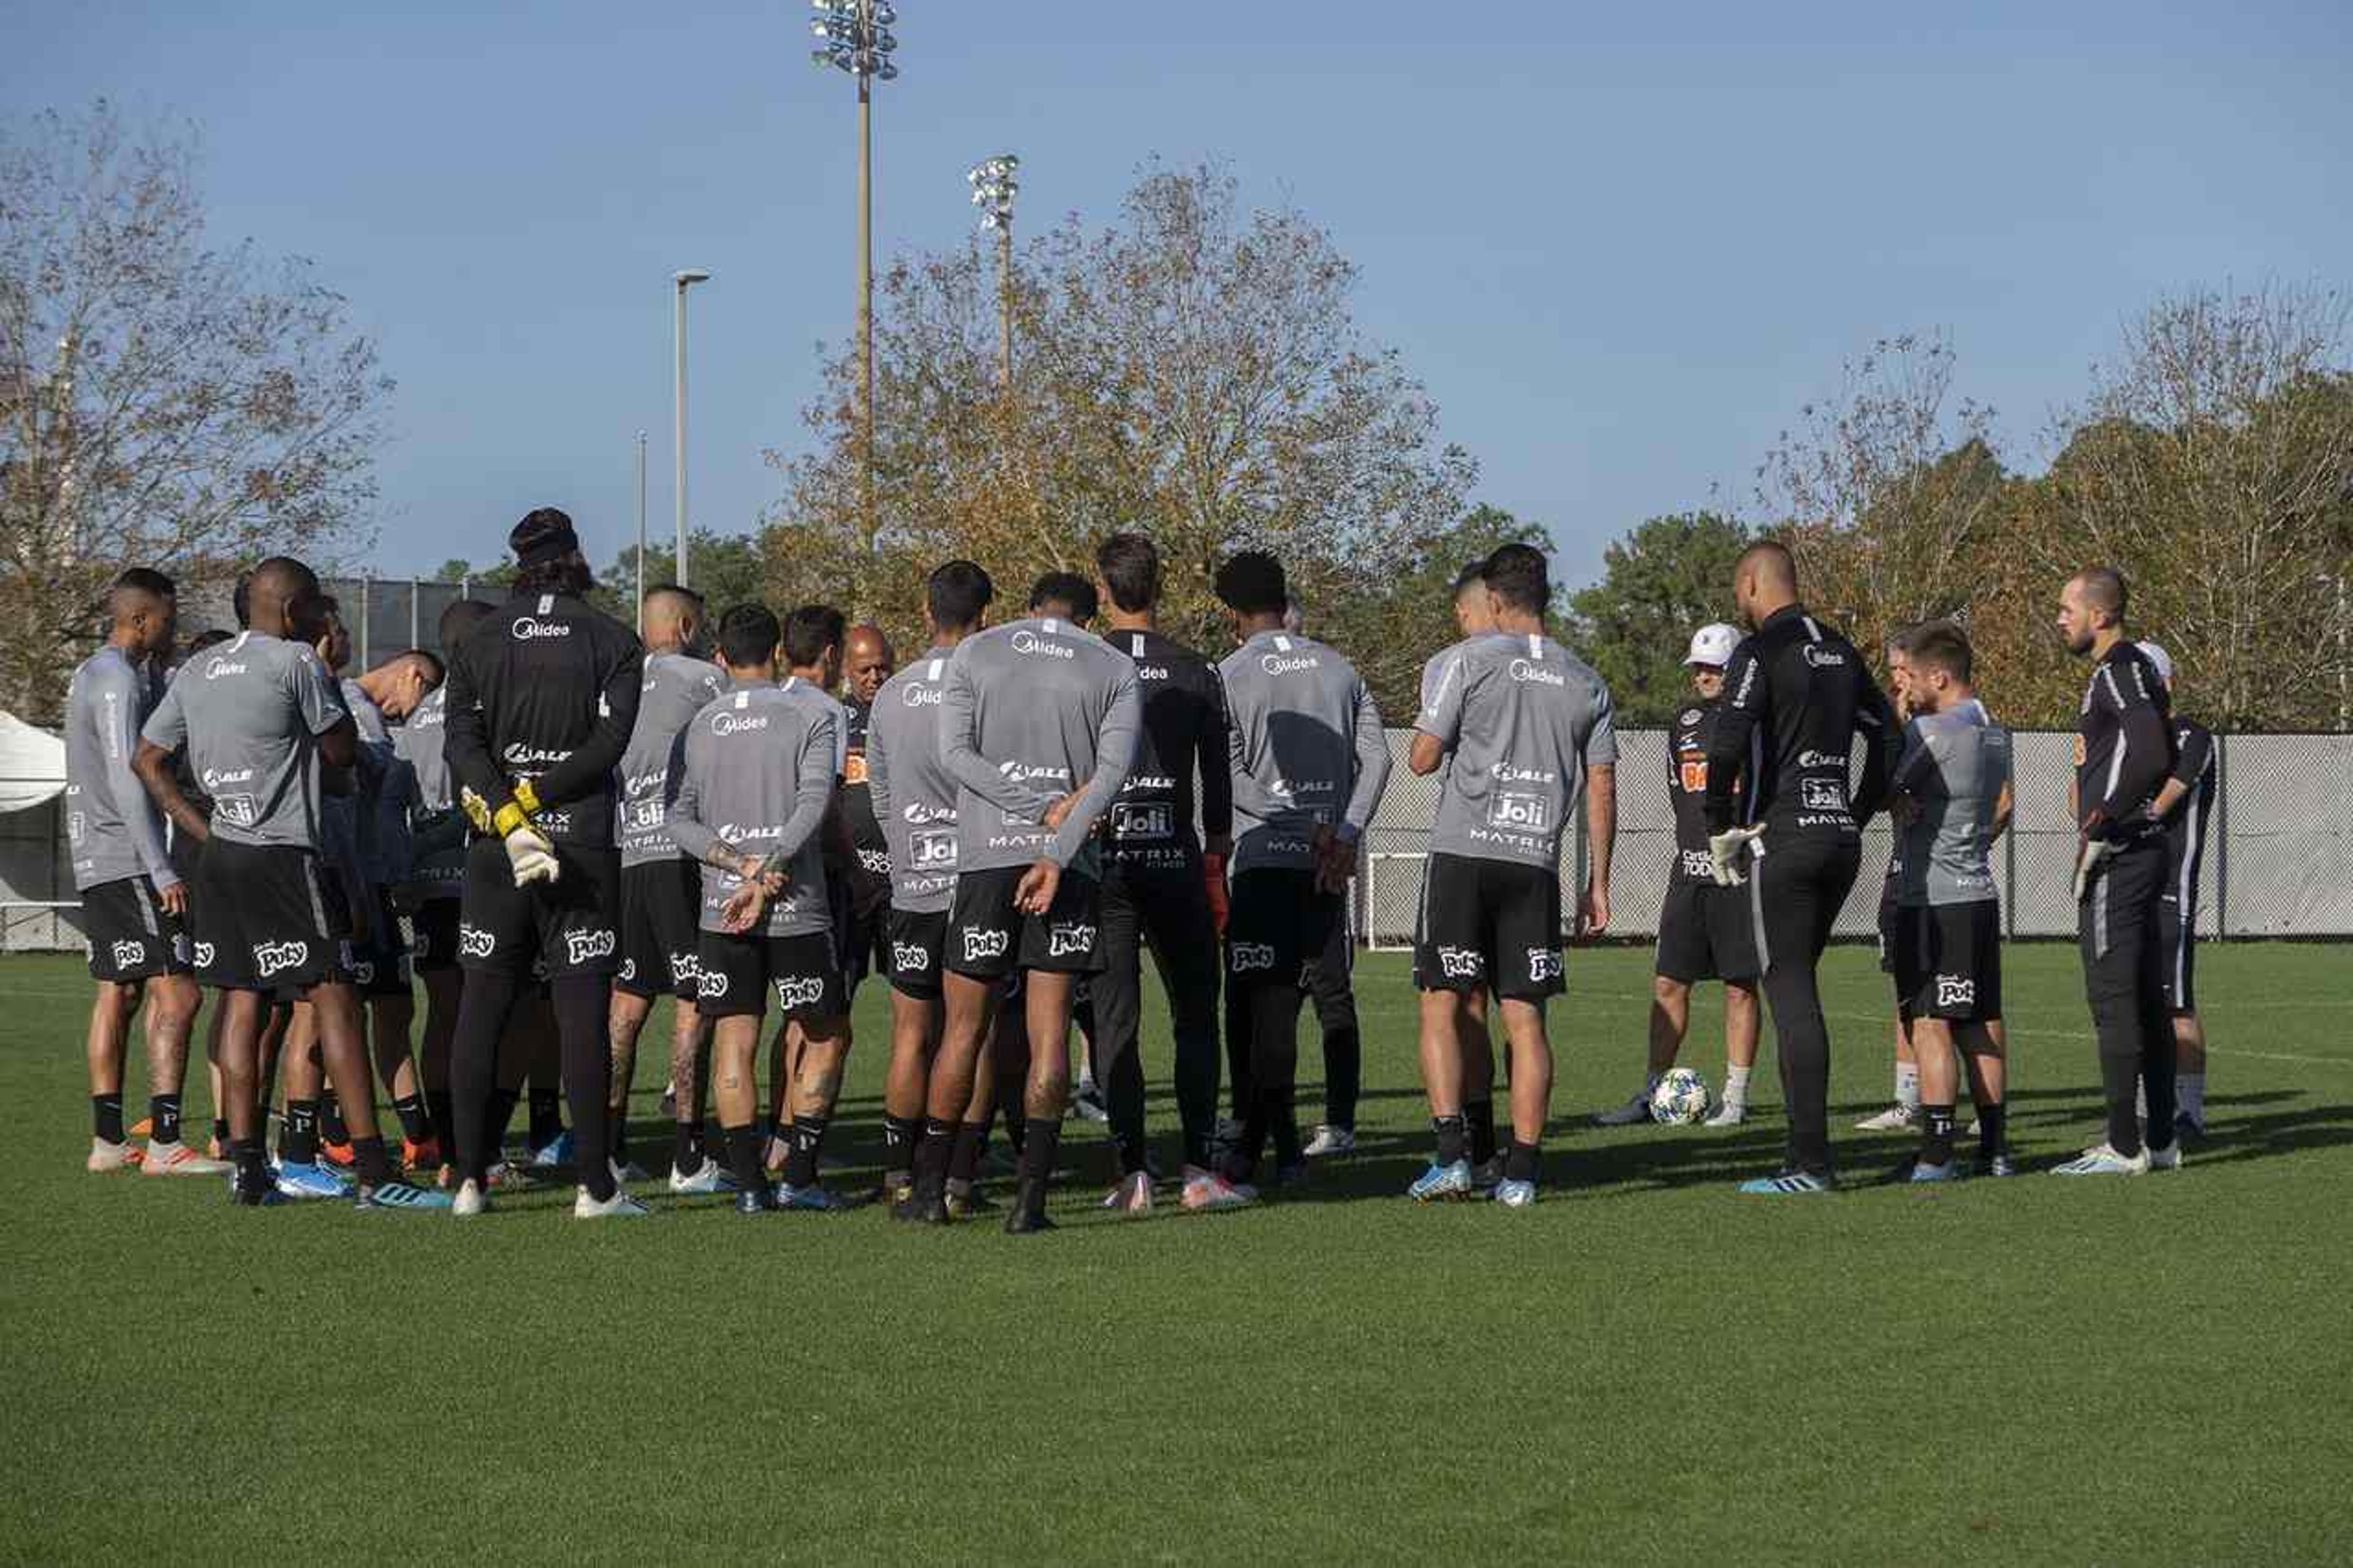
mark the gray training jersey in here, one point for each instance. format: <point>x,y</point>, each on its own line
<point>250,711</point>
<point>677,687</point>
<point>379,786</point>
<point>1954,763</point>
<point>436,827</point>
<point>1031,710</point>
<point>914,794</point>
<point>754,770</point>
<point>111,826</point>
<point>1523,719</point>
<point>1306,749</point>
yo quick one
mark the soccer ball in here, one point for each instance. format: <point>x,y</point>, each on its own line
<point>1680,1098</point>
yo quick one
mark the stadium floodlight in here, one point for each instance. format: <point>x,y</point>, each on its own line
<point>994,187</point>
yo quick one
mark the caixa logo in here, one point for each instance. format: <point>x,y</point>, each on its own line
<point>1031,643</point>
<point>272,957</point>
<point>910,958</point>
<point>799,991</point>
<point>530,628</point>
<point>580,946</point>
<point>981,944</point>
<point>1246,957</point>
<point>1544,964</point>
<point>129,954</point>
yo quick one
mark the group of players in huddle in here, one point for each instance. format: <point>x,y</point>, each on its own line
<point>570,821</point>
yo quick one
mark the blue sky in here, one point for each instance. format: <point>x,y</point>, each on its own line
<point>1621,245</point>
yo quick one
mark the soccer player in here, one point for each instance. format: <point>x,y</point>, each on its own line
<point>1704,932</point>
<point>1308,761</point>
<point>1154,890</point>
<point>1946,798</point>
<point>260,719</point>
<point>813,635</point>
<point>134,902</point>
<point>2183,804</point>
<point>2124,752</point>
<point>1798,694</point>
<point>913,798</point>
<point>1529,729</point>
<point>1039,722</point>
<point>1905,1109</point>
<point>661,891</point>
<point>542,697</point>
<point>867,661</point>
<point>751,783</point>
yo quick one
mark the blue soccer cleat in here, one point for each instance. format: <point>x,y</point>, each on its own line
<point>400,1195</point>
<point>1788,1183</point>
<point>1950,1171</point>
<point>1515,1194</point>
<point>1441,1184</point>
<point>556,1153</point>
<point>311,1180</point>
<point>813,1198</point>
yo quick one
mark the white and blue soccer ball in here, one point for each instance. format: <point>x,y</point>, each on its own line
<point>1679,1098</point>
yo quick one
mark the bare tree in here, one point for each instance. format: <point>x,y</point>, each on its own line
<point>161,404</point>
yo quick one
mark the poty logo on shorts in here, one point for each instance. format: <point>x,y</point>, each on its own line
<point>473,941</point>
<point>683,967</point>
<point>1067,937</point>
<point>1544,964</point>
<point>1956,991</point>
<point>980,945</point>
<point>130,954</point>
<point>727,722</point>
<point>580,946</point>
<point>180,947</point>
<point>911,957</point>
<point>529,628</point>
<point>1462,962</point>
<point>710,988</point>
<point>270,957</point>
<point>799,991</point>
<point>1278,664</point>
<point>1527,669</point>
<point>1246,956</point>
<point>204,956</point>
<point>1031,643</point>
<point>363,971</point>
<point>628,969</point>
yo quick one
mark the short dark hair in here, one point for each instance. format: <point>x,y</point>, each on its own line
<point>957,593</point>
<point>436,672</point>
<point>1251,582</point>
<point>458,618</point>
<point>1130,564</point>
<point>810,630</point>
<point>1903,639</point>
<point>1068,589</point>
<point>1472,572</point>
<point>1941,644</point>
<point>1773,557</point>
<point>2105,588</point>
<point>147,580</point>
<point>654,588</point>
<point>748,634</point>
<point>1516,574</point>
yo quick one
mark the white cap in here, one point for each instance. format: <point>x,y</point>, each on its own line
<point>2155,653</point>
<point>1713,644</point>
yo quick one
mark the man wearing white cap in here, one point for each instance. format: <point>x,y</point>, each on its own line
<point>1704,930</point>
<point>2183,804</point>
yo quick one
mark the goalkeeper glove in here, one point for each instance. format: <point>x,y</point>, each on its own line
<point>1723,854</point>
<point>530,855</point>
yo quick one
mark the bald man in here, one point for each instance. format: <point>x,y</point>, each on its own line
<point>662,890</point>
<point>867,662</point>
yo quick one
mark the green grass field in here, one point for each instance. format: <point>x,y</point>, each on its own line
<point>1644,1367</point>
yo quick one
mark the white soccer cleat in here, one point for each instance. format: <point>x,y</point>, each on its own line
<point>1730,1114</point>
<point>1330,1140</point>
<point>105,1157</point>
<point>468,1200</point>
<point>179,1160</point>
<point>1133,1195</point>
<point>1637,1109</point>
<point>2101,1160</point>
<point>2166,1159</point>
<point>621,1205</point>
<point>708,1178</point>
<point>1896,1118</point>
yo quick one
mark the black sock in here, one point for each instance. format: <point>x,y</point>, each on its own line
<point>1990,1131</point>
<point>934,1156</point>
<point>1936,1133</point>
<point>546,1117</point>
<point>163,1119</point>
<point>221,1131</point>
<point>743,1157</point>
<point>330,1120</point>
<point>502,1109</point>
<point>1040,1136</point>
<point>252,1167</point>
<point>443,1108</point>
<point>800,1156</point>
<point>686,1148</point>
<point>1522,1161</point>
<point>374,1165</point>
<point>297,1136</point>
<point>1479,1117</point>
<point>616,1135</point>
<point>1449,1130</point>
<point>414,1126</point>
<point>963,1151</point>
<point>106,1116</point>
<point>899,1134</point>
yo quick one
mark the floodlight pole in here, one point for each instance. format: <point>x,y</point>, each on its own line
<point>641,533</point>
<point>683,280</point>
<point>866,280</point>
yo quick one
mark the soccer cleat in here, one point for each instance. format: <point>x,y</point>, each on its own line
<point>339,1155</point>
<point>2166,1159</point>
<point>105,1157</point>
<point>310,1181</point>
<point>1730,1114</point>
<point>1208,1190</point>
<point>2187,1126</point>
<point>400,1195</point>
<point>256,1197</point>
<point>420,1157</point>
<point>1894,1118</point>
<point>1133,1195</point>
<point>179,1160</point>
<point>2101,1160</point>
<point>621,1205</point>
<point>1515,1194</point>
<point>761,1199</point>
<point>1995,1165</point>
<point>1026,1217</point>
<point>1293,1175</point>
<point>1329,1141</point>
<point>1636,1108</point>
<point>710,1176</point>
<point>622,1173</point>
<point>1088,1102</point>
<point>1950,1171</point>
<point>468,1200</point>
<point>964,1198</point>
<point>549,1156</point>
<point>1441,1184</point>
<point>920,1208</point>
<point>1488,1174</point>
<point>503,1174</point>
<point>812,1198</point>
<point>1788,1183</point>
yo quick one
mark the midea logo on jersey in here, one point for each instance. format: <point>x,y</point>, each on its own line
<point>1504,772</point>
<point>1022,773</point>
<point>1823,658</point>
<point>1526,669</point>
<point>921,696</point>
<point>1690,716</point>
<point>528,629</point>
<point>1151,672</point>
<point>800,991</point>
<point>1956,991</point>
<point>1462,962</point>
<point>217,668</point>
<point>729,723</point>
<point>1544,964</point>
<point>1031,643</point>
<point>128,953</point>
<point>1276,664</point>
<point>473,941</point>
<point>1251,955</point>
<point>980,945</point>
<point>270,957</point>
<point>910,958</point>
<point>580,946</point>
<point>1065,937</point>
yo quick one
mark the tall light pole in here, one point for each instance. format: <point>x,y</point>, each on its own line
<point>641,533</point>
<point>993,185</point>
<point>857,40</point>
<point>682,280</point>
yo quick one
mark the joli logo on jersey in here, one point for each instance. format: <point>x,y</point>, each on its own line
<point>1822,794</point>
<point>932,851</point>
<point>1143,820</point>
<point>1524,812</point>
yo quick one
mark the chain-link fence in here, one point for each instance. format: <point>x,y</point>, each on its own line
<point>2279,859</point>
<point>384,615</point>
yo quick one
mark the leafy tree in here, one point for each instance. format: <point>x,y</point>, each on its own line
<point>1662,581</point>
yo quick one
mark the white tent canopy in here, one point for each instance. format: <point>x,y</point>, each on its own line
<point>32,765</point>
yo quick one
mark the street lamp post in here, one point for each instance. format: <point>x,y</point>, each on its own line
<point>994,183</point>
<point>857,38</point>
<point>682,280</point>
<point>641,533</point>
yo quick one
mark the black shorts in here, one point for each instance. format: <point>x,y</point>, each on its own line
<point>1704,933</point>
<point>1279,926</point>
<point>660,902</point>
<point>987,938</point>
<point>433,936</point>
<point>1889,920</point>
<point>265,920</point>
<point>918,940</point>
<point>566,925</point>
<point>2177,937</point>
<point>734,974</point>
<point>381,964</point>
<point>130,935</point>
<point>859,930</point>
<point>1948,962</point>
<point>1489,923</point>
